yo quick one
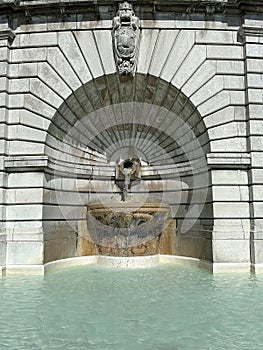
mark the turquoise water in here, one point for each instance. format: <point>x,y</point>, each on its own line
<point>163,308</point>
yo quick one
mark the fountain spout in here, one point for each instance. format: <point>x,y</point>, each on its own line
<point>127,171</point>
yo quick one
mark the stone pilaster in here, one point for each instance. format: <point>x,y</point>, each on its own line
<point>6,37</point>
<point>231,232</point>
<point>252,35</point>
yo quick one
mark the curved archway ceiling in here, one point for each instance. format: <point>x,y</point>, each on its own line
<point>129,117</point>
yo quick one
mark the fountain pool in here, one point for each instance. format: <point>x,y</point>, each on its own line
<point>168,307</point>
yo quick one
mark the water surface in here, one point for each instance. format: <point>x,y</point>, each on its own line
<point>160,308</point>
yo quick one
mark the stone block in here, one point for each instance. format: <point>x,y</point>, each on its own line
<point>210,89</point>
<point>203,75</point>
<point>215,103</point>
<point>29,179</point>
<point>3,69</point>
<point>231,251</point>
<point>24,212</point>
<point>35,105</point>
<point>3,97</point>
<point>147,44</point>
<point>256,143</point>
<point>38,88</point>
<point>228,160</point>
<point>190,64</point>
<point>234,82</point>
<point>53,80</point>
<point>255,81</point>
<point>229,177</point>
<point>13,116</point>
<point>28,55</point>
<point>230,193</point>
<point>22,196</point>
<point>257,192</point>
<point>237,97</point>
<point>220,117</point>
<point>25,148</point>
<point>232,129</point>
<point>60,64</point>
<point>231,229</point>
<point>24,253</point>
<point>255,111</point>
<point>16,101</point>
<point>3,84</point>
<point>74,56</point>
<point>258,209</point>
<point>3,53</point>
<point>19,85</point>
<point>36,39</point>
<point>230,67</point>
<point>256,127</point>
<point>214,37</point>
<point>257,175</point>
<point>257,159</point>
<point>235,144</point>
<point>31,119</point>
<point>254,65</point>
<point>104,44</point>
<point>181,48</point>
<point>88,47</point>
<point>225,52</point>
<point>17,228</point>
<point>164,45</point>
<point>254,50</point>
<point>231,210</point>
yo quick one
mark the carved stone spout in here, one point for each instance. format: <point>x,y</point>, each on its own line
<point>126,172</point>
<point>125,36</point>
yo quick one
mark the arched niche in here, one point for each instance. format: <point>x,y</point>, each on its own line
<point>113,118</point>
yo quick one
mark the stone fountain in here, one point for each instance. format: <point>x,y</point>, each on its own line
<point>132,223</point>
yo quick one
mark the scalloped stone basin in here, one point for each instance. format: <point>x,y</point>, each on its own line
<point>127,229</point>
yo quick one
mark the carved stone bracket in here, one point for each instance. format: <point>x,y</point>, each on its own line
<point>125,37</point>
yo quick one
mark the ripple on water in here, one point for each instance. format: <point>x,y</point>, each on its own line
<point>165,307</point>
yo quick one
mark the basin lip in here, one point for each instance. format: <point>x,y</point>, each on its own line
<point>128,205</point>
<point>212,267</point>
<point>127,262</point>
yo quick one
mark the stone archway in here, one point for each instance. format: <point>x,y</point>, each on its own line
<point>111,118</point>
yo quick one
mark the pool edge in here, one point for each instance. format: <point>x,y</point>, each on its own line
<point>131,262</point>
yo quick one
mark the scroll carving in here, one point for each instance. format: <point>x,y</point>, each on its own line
<point>125,39</point>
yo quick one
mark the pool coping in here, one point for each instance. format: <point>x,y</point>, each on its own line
<point>131,262</point>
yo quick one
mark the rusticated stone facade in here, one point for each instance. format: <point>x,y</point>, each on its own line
<point>192,105</point>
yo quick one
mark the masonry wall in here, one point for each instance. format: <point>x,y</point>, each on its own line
<point>216,63</point>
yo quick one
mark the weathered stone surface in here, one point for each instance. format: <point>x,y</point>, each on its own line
<point>64,110</point>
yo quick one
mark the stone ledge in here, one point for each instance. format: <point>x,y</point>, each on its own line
<point>65,263</point>
<point>141,262</point>
<point>231,267</point>
<point>26,163</point>
<point>228,160</point>
<point>151,6</point>
<point>24,270</point>
<point>250,31</point>
<point>7,34</point>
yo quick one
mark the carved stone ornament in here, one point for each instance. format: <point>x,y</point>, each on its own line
<point>125,38</point>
